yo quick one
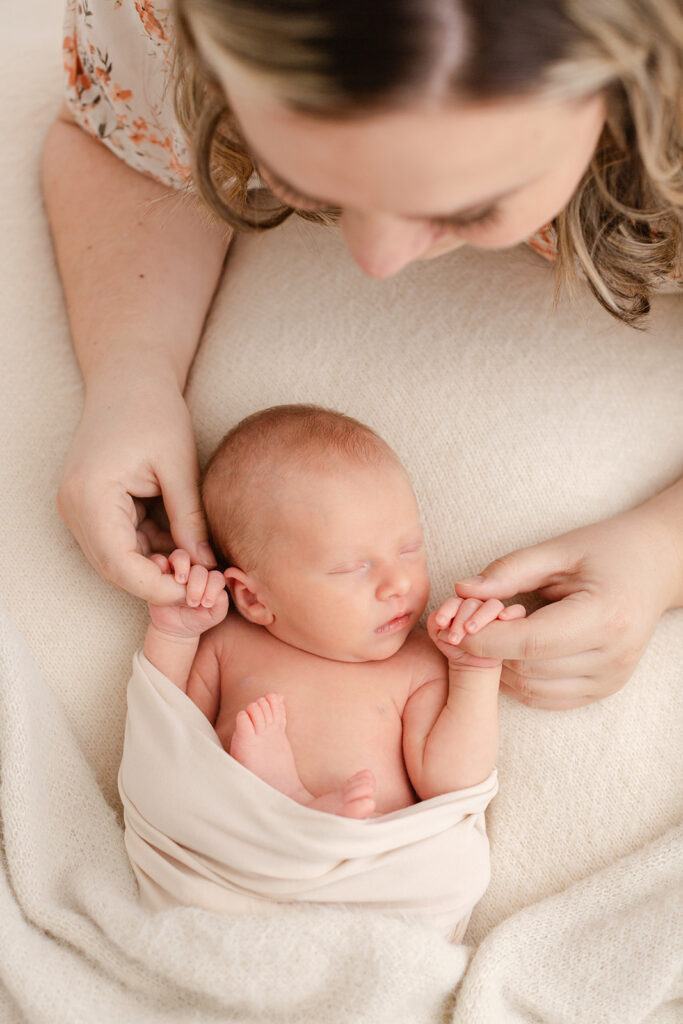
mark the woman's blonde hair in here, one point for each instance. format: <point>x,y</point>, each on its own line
<point>623,227</point>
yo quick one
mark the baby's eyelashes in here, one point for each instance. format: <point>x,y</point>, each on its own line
<point>347,567</point>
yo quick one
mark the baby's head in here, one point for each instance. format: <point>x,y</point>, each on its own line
<point>317,523</point>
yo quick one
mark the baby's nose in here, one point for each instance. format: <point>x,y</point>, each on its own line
<point>395,583</point>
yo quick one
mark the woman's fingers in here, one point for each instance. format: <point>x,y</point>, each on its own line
<point>519,572</point>
<point>554,631</point>
<point>185,514</point>
<point>152,537</point>
<point>574,692</point>
<point>106,531</point>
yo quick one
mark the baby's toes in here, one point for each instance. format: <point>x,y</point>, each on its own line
<point>358,794</point>
<point>244,726</point>
<point>262,715</point>
<point>276,706</point>
<point>360,785</point>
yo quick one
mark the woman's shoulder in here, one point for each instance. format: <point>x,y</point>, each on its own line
<point>118,62</point>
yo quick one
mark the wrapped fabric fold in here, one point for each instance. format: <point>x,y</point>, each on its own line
<point>202,830</point>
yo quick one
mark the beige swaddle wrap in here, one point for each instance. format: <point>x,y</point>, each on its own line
<point>202,830</point>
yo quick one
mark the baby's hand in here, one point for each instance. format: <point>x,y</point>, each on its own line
<point>206,600</point>
<point>458,617</point>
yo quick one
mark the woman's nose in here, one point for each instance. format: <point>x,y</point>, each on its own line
<point>395,582</point>
<point>382,244</point>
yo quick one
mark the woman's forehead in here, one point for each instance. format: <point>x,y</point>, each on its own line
<point>430,160</point>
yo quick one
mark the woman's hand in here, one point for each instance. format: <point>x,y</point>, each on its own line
<point>133,443</point>
<point>608,584</point>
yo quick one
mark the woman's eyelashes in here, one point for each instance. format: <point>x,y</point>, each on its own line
<point>483,218</point>
<point>479,219</point>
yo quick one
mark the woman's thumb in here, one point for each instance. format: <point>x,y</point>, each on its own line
<point>516,573</point>
<point>187,521</point>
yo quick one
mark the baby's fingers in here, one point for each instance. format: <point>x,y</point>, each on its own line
<point>179,561</point>
<point>444,615</point>
<point>486,613</point>
<point>196,585</point>
<point>162,561</point>
<point>513,611</point>
<point>215,584</point>
<point>465,613</point>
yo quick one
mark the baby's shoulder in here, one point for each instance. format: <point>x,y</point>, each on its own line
<point>222,638</point>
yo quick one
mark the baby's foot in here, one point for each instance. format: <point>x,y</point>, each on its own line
<point>356,798</point>
<point>260,743</point>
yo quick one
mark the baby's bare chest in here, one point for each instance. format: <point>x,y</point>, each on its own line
<point>340,717</point>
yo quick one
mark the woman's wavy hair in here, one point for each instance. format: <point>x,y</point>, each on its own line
<point>623,227</point>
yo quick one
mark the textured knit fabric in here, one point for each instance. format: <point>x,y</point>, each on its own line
<point>517,421</point>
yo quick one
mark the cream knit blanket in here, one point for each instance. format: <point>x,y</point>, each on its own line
<point>516,422</point>
<point>204,831</point>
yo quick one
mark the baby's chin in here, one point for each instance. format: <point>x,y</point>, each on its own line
<point>378,648</point>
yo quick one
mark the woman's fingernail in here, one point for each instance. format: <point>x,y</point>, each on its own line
<point>470,581</point>
<point>206,554</point>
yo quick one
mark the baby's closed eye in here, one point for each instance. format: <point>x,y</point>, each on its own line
<point>350,567</point>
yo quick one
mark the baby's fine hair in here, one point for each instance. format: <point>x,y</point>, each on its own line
<point>259,453</point>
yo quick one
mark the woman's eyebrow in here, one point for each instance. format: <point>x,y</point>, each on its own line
<point>464,212</point>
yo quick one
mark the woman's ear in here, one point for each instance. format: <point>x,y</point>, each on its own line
<point>243,592</point>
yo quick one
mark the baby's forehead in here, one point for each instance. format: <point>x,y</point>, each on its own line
<point>340,496</point>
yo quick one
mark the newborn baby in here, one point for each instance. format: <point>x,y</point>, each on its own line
<point>323,685</point>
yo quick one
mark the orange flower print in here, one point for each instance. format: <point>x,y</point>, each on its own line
<point>78,78</point>
<point>121,94</point>
<point>151,23</point>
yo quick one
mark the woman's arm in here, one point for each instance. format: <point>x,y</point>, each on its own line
<point>139,265</point>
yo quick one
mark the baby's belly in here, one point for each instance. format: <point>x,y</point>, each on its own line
<point>335,738</point>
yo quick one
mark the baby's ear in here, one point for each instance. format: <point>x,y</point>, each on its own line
<point>243,592</point>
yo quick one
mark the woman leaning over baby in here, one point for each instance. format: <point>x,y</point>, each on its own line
<point>488,123</point>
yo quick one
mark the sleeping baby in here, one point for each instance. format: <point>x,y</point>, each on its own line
<point>347,725</point>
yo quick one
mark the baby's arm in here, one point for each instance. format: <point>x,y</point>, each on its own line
<point>450,725</point>
<point>173,634</point>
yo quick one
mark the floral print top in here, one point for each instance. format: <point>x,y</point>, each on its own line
<point>118,57</point>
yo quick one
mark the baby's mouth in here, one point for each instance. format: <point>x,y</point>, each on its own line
<point>397,623</point>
